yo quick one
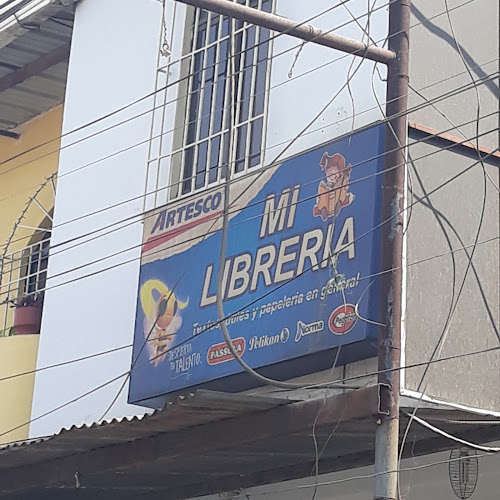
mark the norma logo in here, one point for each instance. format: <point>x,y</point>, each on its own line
<point>342,319</point>
<point>304,329</point>
<point>220,353</point>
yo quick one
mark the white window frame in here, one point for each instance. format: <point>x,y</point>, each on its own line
<point>173,186</point>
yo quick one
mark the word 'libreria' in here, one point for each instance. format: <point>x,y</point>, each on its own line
<point>274,263</point>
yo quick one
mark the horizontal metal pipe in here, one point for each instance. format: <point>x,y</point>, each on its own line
<point>302,31</point>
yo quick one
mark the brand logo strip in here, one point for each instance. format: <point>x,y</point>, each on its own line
<point>342,319</point>
<point>304,329</point>
<point>156,241</point>
<point>220,353</point>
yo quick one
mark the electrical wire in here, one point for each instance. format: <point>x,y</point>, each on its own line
<point>302,487</point>
<point>258,299</point>
<point>317,452</point>
<point>231,347</point>
<point>230,343</point>
<point>162,308</point>
<point>292,279</point>
<point>455,127</point>
<point>65,363</point>
<point>149,95</point>
<point>187,77</point>
<point>451,311</point>
<point>64,405</point>
<point>222,259</point>
<point>389,270</point>
<point>442,339</point>
<point>419,262</point>
<point>134,218</point>
<point>469,444</point>
<point>326,384</point>
<point>120,252</point>
<point>226,199</point>
<point>225,225</point>
<point>174,184</point>
<point>300,201</point>
<point>310,386</point>
<point>406,224</point>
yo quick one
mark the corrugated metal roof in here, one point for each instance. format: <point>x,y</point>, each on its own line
<point>52,8</point>
<point>211,442</point>
<point>45,83</point>
<point>184,411</point>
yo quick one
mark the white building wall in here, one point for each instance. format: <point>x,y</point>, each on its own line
<point>113,62</point>
<point>320,77</point>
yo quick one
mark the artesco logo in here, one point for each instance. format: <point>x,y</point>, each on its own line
<point>342,319</point>
<point>304,329</point>
<point>220,353</point>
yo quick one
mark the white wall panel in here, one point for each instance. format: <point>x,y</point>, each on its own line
<point>113,62</point>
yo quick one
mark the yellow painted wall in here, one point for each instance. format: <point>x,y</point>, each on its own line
<point>19,180</point>
<point>17,355</point>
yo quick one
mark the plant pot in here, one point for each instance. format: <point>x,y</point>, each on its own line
<point>27,320</point>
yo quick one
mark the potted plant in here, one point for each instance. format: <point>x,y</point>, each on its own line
<point>28,315</point>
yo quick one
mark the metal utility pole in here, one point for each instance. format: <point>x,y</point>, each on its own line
<point>389,349</point>
<point>396,59</point>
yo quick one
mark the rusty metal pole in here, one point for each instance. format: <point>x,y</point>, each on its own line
<point>389,349</point>
<point>292,28</point>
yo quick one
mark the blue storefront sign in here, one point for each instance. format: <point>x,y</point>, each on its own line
<point>303,246</point>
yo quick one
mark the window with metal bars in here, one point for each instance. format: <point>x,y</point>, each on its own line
<point>36,271</point>
<point>211,98</point>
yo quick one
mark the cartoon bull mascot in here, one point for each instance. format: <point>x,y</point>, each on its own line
<point>162,318</point>
<point>333,193</point>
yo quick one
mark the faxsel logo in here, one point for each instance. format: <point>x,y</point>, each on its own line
<point>333,193</point>
<point>342,319</point>
<point>220,353</point>
<point>258,342</point>
<point>304,329</point>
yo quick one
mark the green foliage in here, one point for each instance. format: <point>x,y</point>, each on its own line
<point>7,332</point>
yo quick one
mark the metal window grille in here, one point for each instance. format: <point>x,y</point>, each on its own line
<point>23,274</point>
<point>200,152</point>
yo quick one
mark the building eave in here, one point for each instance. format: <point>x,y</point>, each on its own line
<point>207,443</point>
<point>18,28</point>
<point>34,61</point>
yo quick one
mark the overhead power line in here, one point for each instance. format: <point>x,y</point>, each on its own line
<point>171,102</point>
<point>69,221</point>
<point>454,304</point>
<point>133,219</point>
<point>186,77</point>
<point>258,299</point>
<point>474,244</point>
<point>353,377</point>
<point>138,245</point>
